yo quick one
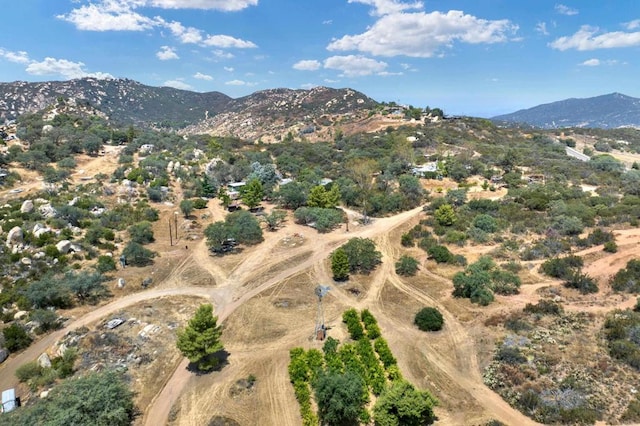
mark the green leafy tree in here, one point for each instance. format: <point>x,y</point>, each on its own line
<point>291,195</point>
<point>200,340</point>
<point>340,398</point>
<point>105,264</point>
<point>362,254</point>
<point>340,265</point>
<point>47,320</point>
<point>252,194</point>
<point>141,233</point>
<point>137,255</point>
<point>445,215</point>
<point>217,233</point>
<point>407,265</point>
<point>401,404</point>
<point>244,227</point>
<point>429,319</point>
<point>317,197</point>
<point>186,207</point>
<point>86,287</point>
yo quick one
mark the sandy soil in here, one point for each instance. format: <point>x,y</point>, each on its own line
<point>263,296</point>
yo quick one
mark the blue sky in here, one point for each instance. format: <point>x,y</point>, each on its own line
<point>473,57</point>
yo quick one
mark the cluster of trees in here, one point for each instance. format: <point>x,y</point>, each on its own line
<point>239,227</point>
<point>98,398</point>
<point>341,378</point>
<point>480,280</point>
<point>358,255</point>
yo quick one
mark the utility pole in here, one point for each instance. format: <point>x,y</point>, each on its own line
<point>170,234</point>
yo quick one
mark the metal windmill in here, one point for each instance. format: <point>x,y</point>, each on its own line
<point>320,330</point>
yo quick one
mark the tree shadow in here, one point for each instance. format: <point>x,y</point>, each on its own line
<point>222,360</point>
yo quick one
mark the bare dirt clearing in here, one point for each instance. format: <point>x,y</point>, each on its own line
<point>264,297</point>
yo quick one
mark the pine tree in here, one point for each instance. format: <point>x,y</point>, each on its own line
<point>201,339</point>
<point>252,194</point>
<point>340,265</point>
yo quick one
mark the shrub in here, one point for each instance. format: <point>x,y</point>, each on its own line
<point>627,279</point>
<point>429,319</point>
<point>199,203</point>
<point>544,307</point>
<point>340,265</point>
<point>105,264</point>
<point>561,267</point>
<point>440,254</point>
<point>370,324</point>
<point>386,356</point>
<point>16,338</point>
<point>582,282</point>
<point>324,220</point>
<point>510,355</point>
<point>137,255</point>
<point>362,254</point>
<point>485,222</point>
<point>352,320</point>
<point>610,247</point>
<point>407,265</point>
<point>407,240</point>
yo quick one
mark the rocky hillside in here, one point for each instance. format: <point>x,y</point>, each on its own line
<point>122,100</point>
<point>606,111</point>
<point>126,101</point>
<point>271,114</point>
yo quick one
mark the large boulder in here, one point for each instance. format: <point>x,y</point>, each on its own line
<point>47,211</point>
<point>4,354</point>
<point>14,237</point>
<point>27,206</point>
<point>64,246</point>
<point>44,361</point>
<point>39,229</point>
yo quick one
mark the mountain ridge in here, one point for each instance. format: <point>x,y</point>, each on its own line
<point>612,110</point>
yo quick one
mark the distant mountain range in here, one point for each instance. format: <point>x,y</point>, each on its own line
<point>127,101</point>
<point>606,111</point>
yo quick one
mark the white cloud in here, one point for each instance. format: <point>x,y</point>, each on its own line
<point>224,5</point>
<point>225,42</point>
<point>389,73</point>
<point>355,66</point>
<point>187,35</point>
<point>308,86</point>
<point>424,34</point>
<point>329,81</point>
<point>597,62</point>
<point>110,15</point>
<point>229,69</point>
<point>307,65</point>
<point>177,84</point>
<point>167,53</point>
<point>541,27</point>
<point>386,7</point>
<point>586,39</point>
<point>64,68</point>
<point>201,76</point>
<point>240,83</point>
<point>20,57</point>
<point>632,25</point>
<point>327,22</point>
<point>565,10</point>
<point>591,63</point>
<point>222,54</point>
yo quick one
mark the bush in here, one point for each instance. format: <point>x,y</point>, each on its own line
<point>324,220</point>
<point>440,254</point>
<point>137,255</point>
<point>582,282</point>
<point>352,320</point>
<point>429,319</point>
<point>407,240</point>
<point>562,267</point>
<point>370,324</point>
<point>340,265</point>
<point>627,279</point>
<point>105,264</point>
<point>407,265</point>
<point>16,338</point>
<point>610,247</point>
<point>510,355</point>
<point>544,307</point>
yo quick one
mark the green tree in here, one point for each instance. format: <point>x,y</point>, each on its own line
<point>47,320</point>
<point>244,227</point>
<point>291,195</point>
<point>429,319</point>
<point>99,399</point>
<point>217,233</point>
<point>362,254</point>
<point>141,233</point>
<point>340,398</point>
<point>16,338</point>
<point>340,265</point>
<point>317,197</point>
<point>406,265</point>
<point>252,193</point>
<point>485,222</point>
<point>137,255</point>
<point>186,207</point>
<point>105,264</point>
<point>445,215</point>
<point>200,339</point>
<point>401,404</point>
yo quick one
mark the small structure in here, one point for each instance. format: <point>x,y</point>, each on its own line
<point>320,332</point>
<point>431,167</point>
<point>9,400</point>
